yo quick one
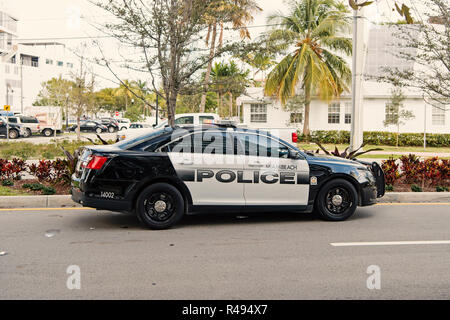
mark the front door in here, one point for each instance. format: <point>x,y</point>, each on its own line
<point>207,163</point>
<point>276,178</point>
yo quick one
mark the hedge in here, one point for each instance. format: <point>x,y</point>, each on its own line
<point>379,138</point>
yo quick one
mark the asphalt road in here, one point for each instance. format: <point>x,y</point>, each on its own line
<point>263,256</point>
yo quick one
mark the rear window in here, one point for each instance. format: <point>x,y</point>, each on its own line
<point>129,143</point>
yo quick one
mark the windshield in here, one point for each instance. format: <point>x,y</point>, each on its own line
<point>125,144</point>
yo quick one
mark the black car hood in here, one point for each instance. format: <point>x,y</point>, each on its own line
<point>319,158</point>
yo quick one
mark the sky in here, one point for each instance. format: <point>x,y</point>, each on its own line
<point>45,19</point>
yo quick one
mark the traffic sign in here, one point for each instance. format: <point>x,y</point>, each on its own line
<point>7,108</point>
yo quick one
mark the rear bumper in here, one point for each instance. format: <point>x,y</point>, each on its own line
<point>98,203</point>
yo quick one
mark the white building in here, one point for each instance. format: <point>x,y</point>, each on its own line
<point>25,66</point>
<point>263,112</point>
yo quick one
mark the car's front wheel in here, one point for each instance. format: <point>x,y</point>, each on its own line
<point>336,201</point>
<point>160,206</point>
<point>13,134</point>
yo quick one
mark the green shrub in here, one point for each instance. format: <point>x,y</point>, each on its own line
<point>48,191</point>
<point>389,187</point>
<point>7,183</point>
<point>441,189</point>
<point>379,138</point>
<point>416,188</point>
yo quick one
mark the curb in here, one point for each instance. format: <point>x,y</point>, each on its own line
<point>415,197</point>
<point>8,202</point>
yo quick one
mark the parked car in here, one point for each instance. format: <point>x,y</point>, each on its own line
<point>90,126</point>
<point>15,130</point>
<point>112,124</point>
<point>29,124</point>
<point>182,119</point>
<point>49,117</point>
<point>139,126</point>
<point>124,123</point>
<point>173,172</point>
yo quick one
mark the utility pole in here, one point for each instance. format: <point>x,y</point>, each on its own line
<point>21,84</point>
<point>356,137</point>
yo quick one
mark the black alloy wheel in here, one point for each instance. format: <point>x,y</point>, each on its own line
<point>160,206</point>
<point>337,200</point>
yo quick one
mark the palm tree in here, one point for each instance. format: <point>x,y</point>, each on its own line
<point>229,80</point>
<point>239,13</point>
<point>123,91</point>
<point>317,29</point>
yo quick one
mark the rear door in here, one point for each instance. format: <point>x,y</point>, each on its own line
<point>206,161</point>
<point>277,178</point>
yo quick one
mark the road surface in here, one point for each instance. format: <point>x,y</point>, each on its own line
<point>262,256</point>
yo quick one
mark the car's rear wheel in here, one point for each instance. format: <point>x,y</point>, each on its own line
<point>111,129</point>
<point>160,206</point>
<point>98,130</point>
<point>336,201</point>
<point>48,132</point>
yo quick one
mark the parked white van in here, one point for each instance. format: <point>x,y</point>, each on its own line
<point>180,120</point>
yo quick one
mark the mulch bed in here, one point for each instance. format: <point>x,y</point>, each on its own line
<point>60,189</point>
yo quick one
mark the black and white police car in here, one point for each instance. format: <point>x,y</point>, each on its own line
<point>165,174</point>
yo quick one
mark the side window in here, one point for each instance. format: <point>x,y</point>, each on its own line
<point>185,120</point>
<point>181,145</point>
<point>12,120</point>
<point>261,146</point>
<point>206,142</point>
<point>206,119</point>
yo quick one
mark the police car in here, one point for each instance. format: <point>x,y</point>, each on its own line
<point>165,174</point>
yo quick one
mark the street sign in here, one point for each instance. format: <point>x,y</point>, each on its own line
<point>7,108</point>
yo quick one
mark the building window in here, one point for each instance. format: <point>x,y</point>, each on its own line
<point>49,61</point>
<point>334,112</point>
<point>438,115</point>
<point>60,63</point>
<point>348,112</point>
<point>69,65</point>
<point>296,117</point>
<point>258,113</point>
<point>391,114</point>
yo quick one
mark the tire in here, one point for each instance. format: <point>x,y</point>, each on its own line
<point>326,206</point>
<point>111,129</point>
<point>13,134</point>
<point>28,133</point>
<point>157,197</point>
<point>47,132</point>
<point>98,130</point>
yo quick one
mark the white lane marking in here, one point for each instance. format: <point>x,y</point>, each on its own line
<point>387,243</point>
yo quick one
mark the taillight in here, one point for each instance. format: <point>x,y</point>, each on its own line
<point>96,162</point>
<point>294,137</point>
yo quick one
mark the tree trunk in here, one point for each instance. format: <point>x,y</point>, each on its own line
<point>231,104</point>
<point>398,132</point>
<point>208,70</point>
<point>78,129</point>
<point>306,131</point>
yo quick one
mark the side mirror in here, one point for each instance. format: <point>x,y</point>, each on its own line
<point>293,154</point>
